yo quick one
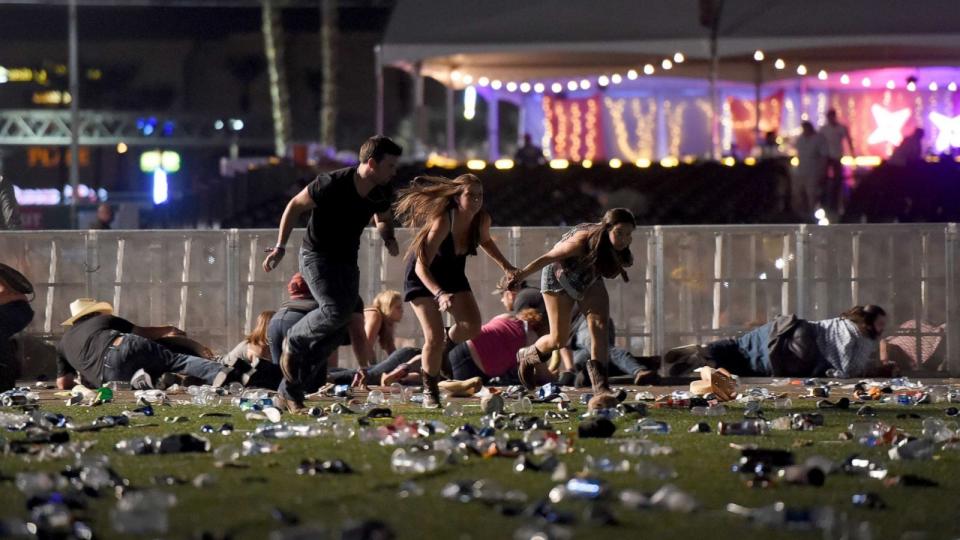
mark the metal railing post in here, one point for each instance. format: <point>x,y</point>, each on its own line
<point>952,317</point>
<point>803,288</point>
<point>232,332</point>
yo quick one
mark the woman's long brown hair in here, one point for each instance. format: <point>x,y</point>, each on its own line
<point>428,198</point>
<point>259,334</point>
<point>864,317</point>
<point>600,252</point>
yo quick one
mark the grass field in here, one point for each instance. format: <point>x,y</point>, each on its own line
<point>240,503</point>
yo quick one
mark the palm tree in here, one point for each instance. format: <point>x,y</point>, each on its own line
<point>273,38</point>
<point>328,55</point>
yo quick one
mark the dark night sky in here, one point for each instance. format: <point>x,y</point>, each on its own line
<point>42,23</point>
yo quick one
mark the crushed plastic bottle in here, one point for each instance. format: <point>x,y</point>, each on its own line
<point>375,397</point>
<point>649,425</point>
<point>578,488</point>
<point>605,465</point>
<point>522,405</point>
<point>674,499</point>
<point>939,431</point>
<point>142,512</point>
<point>918,449</point>
<point>654,471</point>
<point>226,454</point>
<point>453,410</point>
<point>778,515</point>
<point>397,394</point>
<point>644,447</point>
<point>747,427</point>
<point>404,461</point>
<point>713,410</point>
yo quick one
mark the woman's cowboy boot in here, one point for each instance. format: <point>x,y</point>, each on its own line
<point>431,390</point>
<point>527,360</point>
<point>598,377</point>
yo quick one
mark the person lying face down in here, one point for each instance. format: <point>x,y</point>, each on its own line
<point>100,347</point>
<point>846,346</point>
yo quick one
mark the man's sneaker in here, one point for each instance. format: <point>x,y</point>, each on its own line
<point>527,360</point>
<point>289,363</point>
<point>141,380</point>
<point>289,405</point>
<point>431,390</point>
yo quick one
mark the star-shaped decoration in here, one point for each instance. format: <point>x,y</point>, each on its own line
<point>948,131</point>
<point>889,125</point>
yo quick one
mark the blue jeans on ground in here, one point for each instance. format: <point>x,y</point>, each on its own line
<point>747,355</point>
<point>581,343</point>
<point>462,364</point>
<point>280,324</point>
<point>374,372</point>
<point>335,285</point>
<point>135,352</point>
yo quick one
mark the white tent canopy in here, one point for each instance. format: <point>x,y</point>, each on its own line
<point>550,38</point>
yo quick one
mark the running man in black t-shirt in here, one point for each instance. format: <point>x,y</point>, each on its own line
<point>342,203</point>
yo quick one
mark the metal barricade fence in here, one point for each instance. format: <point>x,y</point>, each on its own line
<point>689,284</point>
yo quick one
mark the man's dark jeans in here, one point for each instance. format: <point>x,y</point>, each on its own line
<point>280,324</point>
<point>14,317</point>
<point>335,285</point>
<point>135,352</point>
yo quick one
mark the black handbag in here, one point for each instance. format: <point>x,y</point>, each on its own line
<point>15,280</point>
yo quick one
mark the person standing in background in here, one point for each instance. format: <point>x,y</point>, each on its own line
<point>835,134</point>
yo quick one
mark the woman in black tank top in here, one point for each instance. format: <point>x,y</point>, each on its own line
<point>451,225</point>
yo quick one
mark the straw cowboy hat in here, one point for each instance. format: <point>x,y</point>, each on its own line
<point>86,306</point>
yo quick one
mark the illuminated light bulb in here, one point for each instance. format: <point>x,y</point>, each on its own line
<point>779,64</point>
<point>456,76</point>
<point>483,81</point>
<point>556,88</point>
<point>496,84</point>
<point>890,85</point>
<point>822,75</point>
<point>524,87</point>
<point>844,79</point>
<point>911,86</point>
<point>678,58</point>
<point>952,87</point>
<point>666,64</point>
<point>616,78</point>
<point>933,87</point>
<point>539,87</point>
<point>801,69</point>
<point>866,82</point>
<point>632,75</point>
<point>468,79</point>
<point>758,56</point>
<point>603,80</point>
<point>572,85</point>
<point>511,86</point>
<point>584,84</point>
<point>648,69</point>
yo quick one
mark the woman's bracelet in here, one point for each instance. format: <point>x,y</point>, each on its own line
<point>440,293</point>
